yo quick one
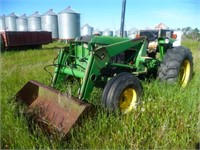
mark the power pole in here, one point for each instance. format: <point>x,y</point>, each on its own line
<point>123,18</point>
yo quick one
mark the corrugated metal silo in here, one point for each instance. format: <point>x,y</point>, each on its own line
<point>107,32</point>
<point>117,33</point>
<point>97,32</point>
<point>86,30</point>
<point>10,21</point>
<point>49,22</point>
<point>2,23</point>
<point>34,22</point>
<point>68,24</point>
<point>22,23</point>
<point>132,33</point>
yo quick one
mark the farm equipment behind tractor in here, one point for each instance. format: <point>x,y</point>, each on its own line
<point>23,39</point>
<point>115,64</point>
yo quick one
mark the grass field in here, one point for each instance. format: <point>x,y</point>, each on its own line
<point>168,117</point>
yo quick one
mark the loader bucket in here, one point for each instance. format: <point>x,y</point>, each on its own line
<point>54,110</point>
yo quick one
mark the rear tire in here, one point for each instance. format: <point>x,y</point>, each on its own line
<point>122,92</point>
<point>177,66</point>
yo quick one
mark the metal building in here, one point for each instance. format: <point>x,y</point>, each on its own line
<point>22,23</point>
<point>2,23</point>
<point>49,22</point>
<point>108,32</point>
<point>10,22</point>
<point>34,22</point>
<point>86,30</point>
<point>68,24</point>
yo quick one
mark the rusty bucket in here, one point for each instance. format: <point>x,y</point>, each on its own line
<point>56,110</point>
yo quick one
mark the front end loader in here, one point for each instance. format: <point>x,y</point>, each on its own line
<point>114,64</point>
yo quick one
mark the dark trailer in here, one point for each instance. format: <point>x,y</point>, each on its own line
<point>23,39</point>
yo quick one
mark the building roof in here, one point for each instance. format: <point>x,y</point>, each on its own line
<point>49,13</point>
<point>161,26</point>
<point>35,15</point>
<point>68,10</point>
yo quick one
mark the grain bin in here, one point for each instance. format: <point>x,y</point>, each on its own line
<point>132,33</point>
<point>2,23</point>
<point>97,32</point>
<point>117,33</point>
<point>34,22</point>
<point>86,30</point>
<point>107,32</point>
<point>22,23</point>
<point>68,24</point>
<point>10,21</point>
<point>49,22</point>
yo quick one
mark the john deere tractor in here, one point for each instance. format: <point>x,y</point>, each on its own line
<point>114,63</point>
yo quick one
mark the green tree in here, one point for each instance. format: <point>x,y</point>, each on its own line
<point>190,33</point>
<point>187,30</point>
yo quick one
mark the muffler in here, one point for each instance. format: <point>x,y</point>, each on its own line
<point>56,111</point>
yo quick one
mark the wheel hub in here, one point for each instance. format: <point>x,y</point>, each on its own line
<point>184,73</point>
<point>128,100</point>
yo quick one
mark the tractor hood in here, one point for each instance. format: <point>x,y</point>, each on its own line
<point>104,40</point>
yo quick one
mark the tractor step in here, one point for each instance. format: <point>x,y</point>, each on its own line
<point>52,109</point>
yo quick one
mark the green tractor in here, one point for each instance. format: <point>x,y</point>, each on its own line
<point>115,64</point>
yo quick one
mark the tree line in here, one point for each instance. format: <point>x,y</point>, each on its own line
<point>190,33</point>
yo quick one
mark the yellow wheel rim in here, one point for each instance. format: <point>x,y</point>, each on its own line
<point>184,73</point>
<point>128,100</point>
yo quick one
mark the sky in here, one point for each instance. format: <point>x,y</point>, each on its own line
<point>103,14</point>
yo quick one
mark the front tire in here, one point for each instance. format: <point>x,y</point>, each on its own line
<point>123,92</point>
<point>177,66</point>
